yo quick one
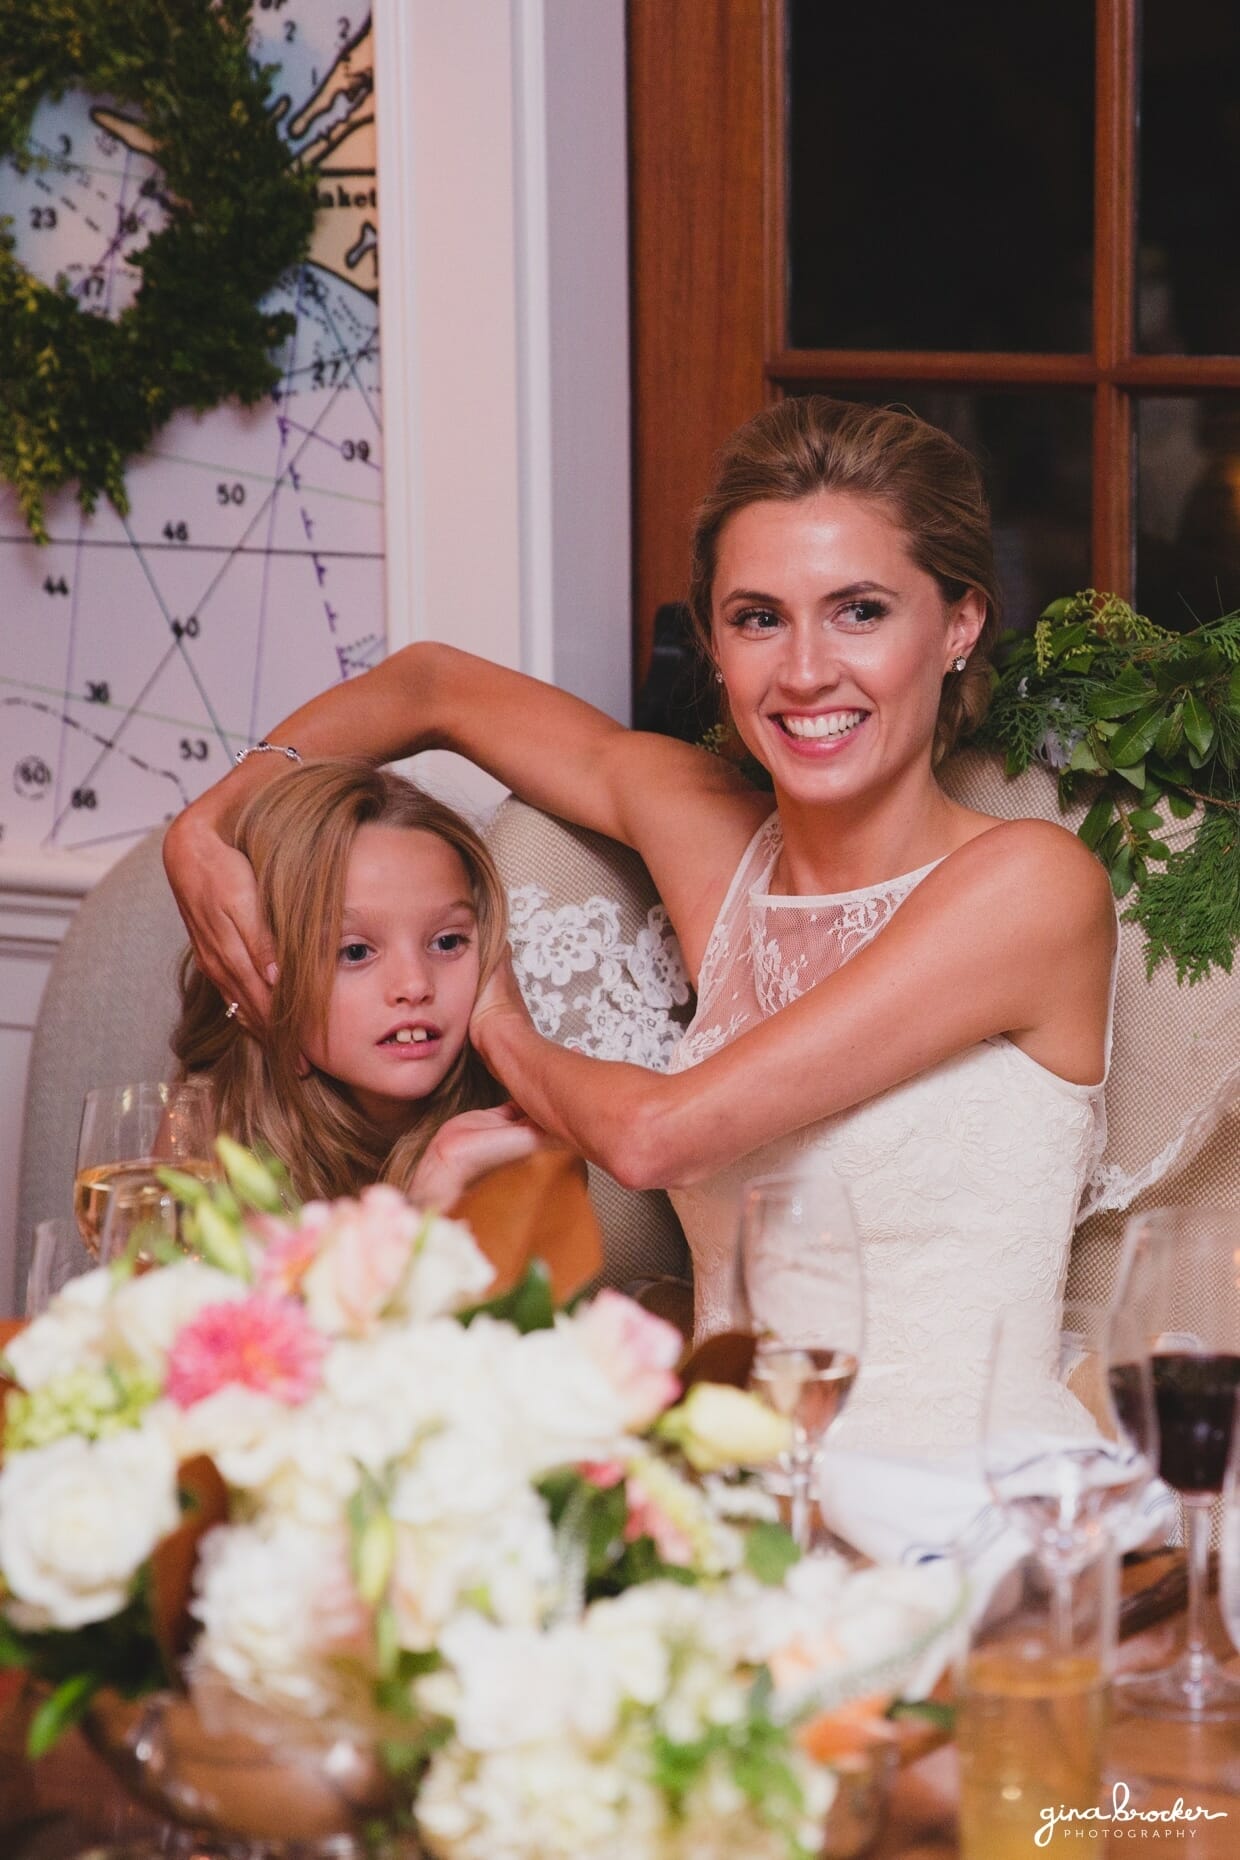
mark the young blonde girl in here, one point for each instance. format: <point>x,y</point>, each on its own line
<point>386,914</point>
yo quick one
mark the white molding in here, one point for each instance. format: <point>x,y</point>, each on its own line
<point>51,872</point>
<point>403,498</point>
<point>534,370</point>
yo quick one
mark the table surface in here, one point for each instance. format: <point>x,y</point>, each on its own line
<point>53,1809</point>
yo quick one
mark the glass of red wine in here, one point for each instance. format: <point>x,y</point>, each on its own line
<point>800,1262</point>
<point>1179,1291</point>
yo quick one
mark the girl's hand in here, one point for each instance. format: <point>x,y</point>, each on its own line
<point>470,1146</point>
<point>214,888</point>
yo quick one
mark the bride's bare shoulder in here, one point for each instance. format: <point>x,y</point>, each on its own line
<point>1038,866</point>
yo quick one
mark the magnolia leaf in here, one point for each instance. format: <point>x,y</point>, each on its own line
<point>1145,819</point>
<point>1180,805</point>
<point>1134,775</point>
<point>1157,849</point>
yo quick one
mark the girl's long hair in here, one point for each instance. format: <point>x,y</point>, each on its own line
<point>297,834</point>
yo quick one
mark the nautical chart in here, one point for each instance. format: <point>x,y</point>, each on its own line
<point>137,653</point>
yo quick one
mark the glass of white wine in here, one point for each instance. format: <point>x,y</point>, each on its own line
<point>128,1133</point>
<point>800,1264</point>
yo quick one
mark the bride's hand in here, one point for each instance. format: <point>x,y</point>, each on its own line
<point>214,888</point>
<point>499,997</point>
<point>468,1147</point>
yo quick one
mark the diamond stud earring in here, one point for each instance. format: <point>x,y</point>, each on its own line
<point>959,664</point>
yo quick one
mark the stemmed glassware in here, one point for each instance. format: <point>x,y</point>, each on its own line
<point>1068,1482</point>
<point>1229,1549</point>
<point>127,1133</point>
<point>1179,1287</point>
<point>801,1279</point>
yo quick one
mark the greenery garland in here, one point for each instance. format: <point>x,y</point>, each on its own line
<point>80,393</point>
<point>1148,720</point>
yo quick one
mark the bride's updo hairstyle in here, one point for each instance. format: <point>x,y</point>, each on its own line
<point>297,833</point>
<point>930,485</point>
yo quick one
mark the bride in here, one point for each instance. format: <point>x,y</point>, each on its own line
<point>914,993</point>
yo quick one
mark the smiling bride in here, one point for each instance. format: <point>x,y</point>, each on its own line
<point>916,994</point>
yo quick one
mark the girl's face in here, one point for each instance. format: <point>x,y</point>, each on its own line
<point>832,642</point>
<point>406,972</point>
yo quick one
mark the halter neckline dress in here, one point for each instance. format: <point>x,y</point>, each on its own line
<point>965,1180</point>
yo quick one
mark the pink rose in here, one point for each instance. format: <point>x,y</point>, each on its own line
<point>635,1351</point>
<point>364,1252</point>
<point>647,1518</point>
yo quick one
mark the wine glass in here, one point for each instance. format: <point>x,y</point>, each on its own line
<point>59,1255</point>
<point>1069,1438</point>
<point>1179,1283</point>
<point>128,1132</point>
<point>801,1280</point>
<point>1229,1548</point>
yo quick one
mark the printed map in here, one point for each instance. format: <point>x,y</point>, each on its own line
<point>138,653</point>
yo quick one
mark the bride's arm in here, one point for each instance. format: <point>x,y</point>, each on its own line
<point>552,749</point>
<point>1013,935</point>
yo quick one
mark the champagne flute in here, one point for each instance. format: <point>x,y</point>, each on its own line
<point>1179,1280</point>
<point>801,1277</point>
<point>129,1132</point>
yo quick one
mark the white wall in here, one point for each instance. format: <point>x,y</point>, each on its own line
<point>506,183</point>
<point>502,177</point>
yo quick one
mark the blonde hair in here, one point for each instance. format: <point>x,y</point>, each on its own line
<point>931,485</point>
<point>297,834</point>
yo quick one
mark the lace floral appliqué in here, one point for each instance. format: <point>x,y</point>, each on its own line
<point>590,988</point>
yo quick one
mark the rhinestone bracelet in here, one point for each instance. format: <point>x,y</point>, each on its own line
<point>278,749</point>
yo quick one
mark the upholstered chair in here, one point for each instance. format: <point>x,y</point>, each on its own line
<point>602,974</point>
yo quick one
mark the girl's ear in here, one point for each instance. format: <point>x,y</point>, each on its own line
<point>303,1067</point>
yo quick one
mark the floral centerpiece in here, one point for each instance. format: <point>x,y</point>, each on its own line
<point>310,1480</point>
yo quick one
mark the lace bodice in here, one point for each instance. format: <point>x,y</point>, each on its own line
<point>965,1180</point>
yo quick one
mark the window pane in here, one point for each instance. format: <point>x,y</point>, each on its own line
<point>1035,453</point>
<point>1188,507</point>
<point>1188,222</point>
<point>940,175</point>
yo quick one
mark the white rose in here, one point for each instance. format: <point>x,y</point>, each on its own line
<point>68,1335</point>
<point>450,1271</point>
<point>560,1407</point>
<point>146,1314</point>
<point>77,1521</point>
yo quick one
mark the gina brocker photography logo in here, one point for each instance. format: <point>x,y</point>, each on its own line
<point>1121,1822</point>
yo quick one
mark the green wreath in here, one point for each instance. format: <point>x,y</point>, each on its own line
<point>79,393</point>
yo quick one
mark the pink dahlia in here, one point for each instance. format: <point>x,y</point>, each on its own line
<point>263,1343</point>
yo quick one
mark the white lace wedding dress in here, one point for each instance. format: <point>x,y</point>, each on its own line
<point>965,1180</point>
